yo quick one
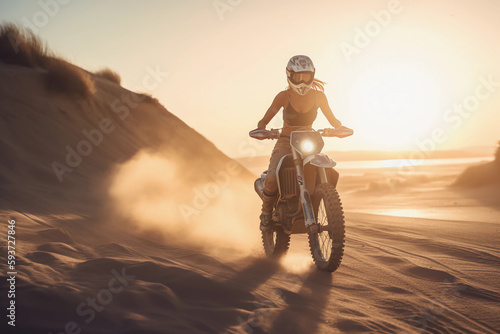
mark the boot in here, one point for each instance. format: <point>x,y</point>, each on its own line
<point>267,210</point>
<point>266,222</point>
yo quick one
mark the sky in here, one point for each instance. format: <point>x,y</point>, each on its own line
<point>404,74</point>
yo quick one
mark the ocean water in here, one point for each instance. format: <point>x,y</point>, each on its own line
<point>401,163</point>
<point>405,165</point>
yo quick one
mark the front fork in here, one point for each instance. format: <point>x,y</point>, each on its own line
<point>305,198</point>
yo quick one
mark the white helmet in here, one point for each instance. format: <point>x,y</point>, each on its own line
<point>300,73</point>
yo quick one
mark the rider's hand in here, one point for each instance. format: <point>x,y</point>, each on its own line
<point>341,132</point>
<point>343,128</point>
<point>344,131</point>
<point>329,132</point>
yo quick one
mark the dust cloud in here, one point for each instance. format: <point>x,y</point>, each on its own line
<point>153,192</point>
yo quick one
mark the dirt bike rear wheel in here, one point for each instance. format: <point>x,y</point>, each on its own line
<point>276,242</point>
<point>326,238</point>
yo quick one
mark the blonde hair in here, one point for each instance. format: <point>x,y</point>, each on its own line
<point>316,85</point>
<point>319,85</point>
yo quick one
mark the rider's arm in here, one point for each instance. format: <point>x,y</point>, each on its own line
<point>325,108</point>
<point>272,111</point>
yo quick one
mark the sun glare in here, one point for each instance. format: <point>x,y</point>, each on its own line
<point>392,105</point>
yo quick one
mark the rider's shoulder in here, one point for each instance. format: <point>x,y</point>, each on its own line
<point>320,93</point>
<point>320,96</point>
<point>283,93</point>
<point>282,96</point>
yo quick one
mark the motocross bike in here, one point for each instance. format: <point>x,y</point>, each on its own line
<point>307,201</point>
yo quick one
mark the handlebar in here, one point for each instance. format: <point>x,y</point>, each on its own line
<point>262,134</point>
<point>340,132</point>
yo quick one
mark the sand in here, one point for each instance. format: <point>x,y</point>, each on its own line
<point>399,274</point>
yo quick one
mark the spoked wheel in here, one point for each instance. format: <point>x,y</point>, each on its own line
<point>276,242</point>
<point>326,239</point>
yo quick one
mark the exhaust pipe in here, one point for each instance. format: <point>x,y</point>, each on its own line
<point>259,184</point>
<point>259,187</point>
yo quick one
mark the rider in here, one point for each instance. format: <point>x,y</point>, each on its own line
<point>300,108</point>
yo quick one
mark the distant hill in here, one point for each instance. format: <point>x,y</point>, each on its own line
<point>481,175</point>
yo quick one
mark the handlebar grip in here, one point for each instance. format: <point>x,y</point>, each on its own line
<point>341,132</point>
<point>262,134</point>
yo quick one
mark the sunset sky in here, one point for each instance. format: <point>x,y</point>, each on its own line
<point>403,74</point>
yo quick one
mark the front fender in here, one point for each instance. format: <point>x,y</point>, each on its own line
<point>320,160</point>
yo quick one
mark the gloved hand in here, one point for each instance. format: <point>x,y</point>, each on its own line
<point>262,134</point>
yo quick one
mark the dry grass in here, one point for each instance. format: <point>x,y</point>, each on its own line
<point>22,47</point>
<point>148,98</point>
<point>68,79</point>
<point>109,75</point>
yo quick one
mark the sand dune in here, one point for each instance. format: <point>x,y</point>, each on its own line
<point>481,175</point>
<point>40,128</point>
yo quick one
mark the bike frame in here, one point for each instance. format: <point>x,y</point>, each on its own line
<point>303,156</point>
<point>321,161</point>
<point>305,175</point>
<point>305,198</point>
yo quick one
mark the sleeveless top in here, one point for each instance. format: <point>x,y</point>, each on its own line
<point>295,118</point>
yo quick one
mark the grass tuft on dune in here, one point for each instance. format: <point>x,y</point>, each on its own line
<point>109,75</point>
<point>20,46</point>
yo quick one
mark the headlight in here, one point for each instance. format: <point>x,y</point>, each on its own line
<point>308,146</point>
<point>306,142</point>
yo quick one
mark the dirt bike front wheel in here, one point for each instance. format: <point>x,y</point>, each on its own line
<point>326,238</point>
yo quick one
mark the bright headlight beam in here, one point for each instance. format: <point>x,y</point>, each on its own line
<point>308,146</point>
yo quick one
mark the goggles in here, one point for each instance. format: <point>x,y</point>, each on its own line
<point>301,77</point>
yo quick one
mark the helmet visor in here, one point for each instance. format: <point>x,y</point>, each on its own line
<point>302,77</point>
